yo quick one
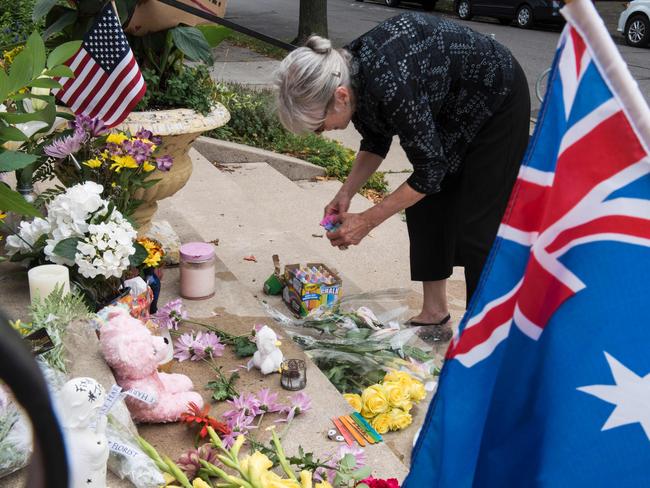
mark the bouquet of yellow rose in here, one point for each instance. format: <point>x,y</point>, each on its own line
<point>387,405</point>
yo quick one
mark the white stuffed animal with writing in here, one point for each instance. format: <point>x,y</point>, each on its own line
<point>268,357</point>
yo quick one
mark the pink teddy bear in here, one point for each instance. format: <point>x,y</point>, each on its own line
<point>133,353</point>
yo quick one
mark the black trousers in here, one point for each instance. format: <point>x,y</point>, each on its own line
<point>457,226</point>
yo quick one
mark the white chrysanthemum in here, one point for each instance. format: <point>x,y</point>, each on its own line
<point>29,233</point>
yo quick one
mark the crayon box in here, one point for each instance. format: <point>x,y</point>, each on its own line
<point>302,297</point>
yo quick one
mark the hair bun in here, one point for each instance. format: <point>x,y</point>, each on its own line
<point>319,44</point>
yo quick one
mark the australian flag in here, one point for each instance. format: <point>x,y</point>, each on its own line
<point>547,382</point>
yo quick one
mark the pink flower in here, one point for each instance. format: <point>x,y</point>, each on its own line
<point>190,461</point>
<point>208,344</point>
<point>245,405</point>
<point>170,315</point>
<point>197,347</point>
<point>268,401</point>
<point>329,473</point>
<point>300,403</point>
<point>65,146</point>
<point>184,347</point>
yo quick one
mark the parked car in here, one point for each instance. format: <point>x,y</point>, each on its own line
<point>525,13</point>
<point>426,4</point>
<point>634,23</point>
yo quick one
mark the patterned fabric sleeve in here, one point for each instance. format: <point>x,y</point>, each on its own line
<point>412,114</point>
<point>373,142</point>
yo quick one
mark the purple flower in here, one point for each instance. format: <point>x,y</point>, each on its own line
<point>197,346</point>
<point>190,462</point>
<point>245,405</point>
<point>268,401</point>
<point>138,149</point>
<point>208,344</point>
<point>147,134</point>
<point>300,403</point>
<point>65,146</point>
<point>328,472</point>
<point>92,127</point>
<point>170,315</point>
<point>356,451</point>
<point>164,163</point>
<point>184,347</point>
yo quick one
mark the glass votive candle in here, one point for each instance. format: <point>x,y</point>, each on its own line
<point>44,279</point>
<point>197,264</point>
<point>293,374</point>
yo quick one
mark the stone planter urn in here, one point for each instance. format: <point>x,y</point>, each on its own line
<point>178,129</point>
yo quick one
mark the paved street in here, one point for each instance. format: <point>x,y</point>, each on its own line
<point>348,19</point>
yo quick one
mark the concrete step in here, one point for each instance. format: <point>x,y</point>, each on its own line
<point>379,262</point>
<point>245,223</point>
<point>212,205</point>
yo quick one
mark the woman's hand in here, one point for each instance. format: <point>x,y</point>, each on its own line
<point>354,227</point>
<point>339,204</point>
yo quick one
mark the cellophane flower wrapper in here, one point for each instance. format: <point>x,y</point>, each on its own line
<point>15,436</point>
<point>139,469</point>
<point>355,347</point>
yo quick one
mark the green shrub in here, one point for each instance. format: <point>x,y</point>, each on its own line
<point>253,122</point>
<point>190,88</point>
<point>16,21</point>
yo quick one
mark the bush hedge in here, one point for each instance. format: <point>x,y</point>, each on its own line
<point>253,122</point>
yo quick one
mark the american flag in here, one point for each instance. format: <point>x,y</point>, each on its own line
<point>547,382</point>
<point>107,83</point>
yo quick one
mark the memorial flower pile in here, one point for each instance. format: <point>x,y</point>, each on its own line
<point>387,405</point>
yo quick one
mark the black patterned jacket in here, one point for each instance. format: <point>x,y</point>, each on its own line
<point>433,83</point>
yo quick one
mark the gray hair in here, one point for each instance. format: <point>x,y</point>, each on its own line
<point>306,81</point>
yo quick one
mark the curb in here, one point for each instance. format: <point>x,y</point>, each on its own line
<point>232,153</point>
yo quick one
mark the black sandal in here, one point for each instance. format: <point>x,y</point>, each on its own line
<point>412,323</point>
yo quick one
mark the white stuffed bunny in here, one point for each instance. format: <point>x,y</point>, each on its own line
<point>268,357</point>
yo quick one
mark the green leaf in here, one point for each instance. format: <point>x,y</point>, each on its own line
<point>150,182</point>
<point>214,34</point>
<point>12,201</point>
<point>60,71</point>
<point>192,43</point>
<point>45,83</point>
<point>62,53</point>
<point>41,8</point>
<point>37,49</point>
<point>10,133</point>
<point>63,21</point>
<point>244,347</point>
<point>140,255</point>
<point>4,85</point>
<point>67,248</point>
<point>12,160</point>
<point>20,72</point>
<point>47,115</point>
<point>362,473</point>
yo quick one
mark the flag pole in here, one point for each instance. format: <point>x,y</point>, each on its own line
<point>585,19</point>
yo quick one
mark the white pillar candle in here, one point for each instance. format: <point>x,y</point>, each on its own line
<point>44,279</point>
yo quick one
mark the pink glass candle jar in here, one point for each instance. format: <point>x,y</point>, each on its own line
<point>197,270</point>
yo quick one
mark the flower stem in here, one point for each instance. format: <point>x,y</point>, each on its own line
<point>227,338</point>
<point>282,459</point>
